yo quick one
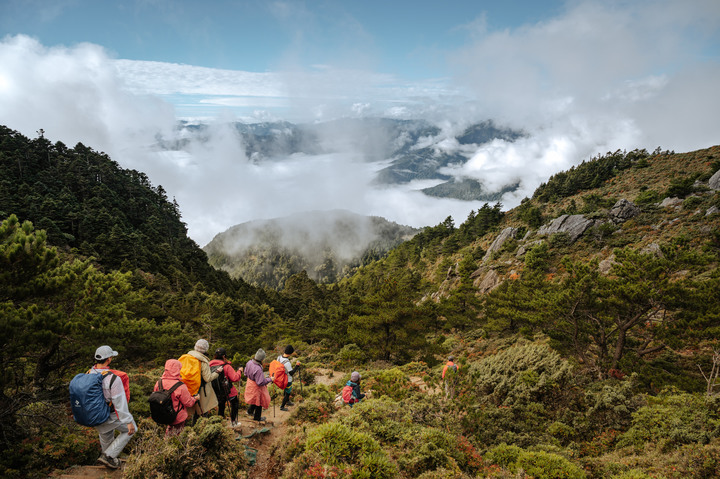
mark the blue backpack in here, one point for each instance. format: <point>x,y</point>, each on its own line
<point>88,404</point>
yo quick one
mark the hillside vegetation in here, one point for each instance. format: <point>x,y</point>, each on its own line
<point>328,245</point>
<point>584,321</point>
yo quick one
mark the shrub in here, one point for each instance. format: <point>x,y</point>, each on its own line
<point>522,374</point>
<point>352,354</point>
<point>393,383</point>
<point>313,411</point>
<point>426,450</point>
<point>336,450</point>
<point>207,449</point>
<point>671,420</point>
<point>537,464</point>
<point>646,197</point>
<point>611,404</point>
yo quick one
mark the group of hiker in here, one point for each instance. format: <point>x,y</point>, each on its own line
<point>191,386</point>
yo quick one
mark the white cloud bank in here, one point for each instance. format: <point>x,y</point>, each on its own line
<point>602,76</point>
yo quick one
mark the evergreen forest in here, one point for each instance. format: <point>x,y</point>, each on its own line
<point>585,324</point>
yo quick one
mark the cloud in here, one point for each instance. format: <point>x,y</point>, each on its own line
<point>602,76</point>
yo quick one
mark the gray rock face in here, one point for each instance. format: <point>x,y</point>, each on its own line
<point>654,249</point>
<point>712,210</point>
<point>606,265</point>
<point>714,182</point>
<point>573,225</point>
<point>489,282</point>
<point>670,202</point>
<point>504,235</point>
<point>623,211</point>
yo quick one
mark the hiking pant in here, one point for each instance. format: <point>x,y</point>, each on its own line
<point>112,446</point>
<point>286,395</point>
<point>234,406</point>
<point>256,411</point>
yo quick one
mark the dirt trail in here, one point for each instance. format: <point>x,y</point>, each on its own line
<point>262,442</point>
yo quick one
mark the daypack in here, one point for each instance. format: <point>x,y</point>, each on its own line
<point>278,374</point>
<point>161,404</point>
<point>191,373</point>
<point>125,381</point>
<point>88,404</point>
<point>347,394</point>
<point>220,384</point>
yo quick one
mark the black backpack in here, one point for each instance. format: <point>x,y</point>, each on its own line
<point>220,384</point>
<point>161,404</point>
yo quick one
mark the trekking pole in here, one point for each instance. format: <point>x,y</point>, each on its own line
<point>274,395</point>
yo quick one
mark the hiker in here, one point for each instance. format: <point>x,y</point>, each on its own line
<point>120,419</point>
<point>182,400</point>
<point>351,392</point>
<point>256,391</point>
<point>449,375</point>
<point>230,395</point>
<point>207,398</point>
<point>284,359</point>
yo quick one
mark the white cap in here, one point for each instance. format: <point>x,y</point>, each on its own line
<point>104,352</point>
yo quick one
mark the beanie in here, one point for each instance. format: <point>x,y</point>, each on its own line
<point>202,346</point>
<point>355,376</point>
<point>289,349</point>
<point>260,355</point>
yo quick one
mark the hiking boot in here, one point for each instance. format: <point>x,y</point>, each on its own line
<point>290,403</point>
<point>110,462</point>
<point>283,408</point>
<point>261,419</point>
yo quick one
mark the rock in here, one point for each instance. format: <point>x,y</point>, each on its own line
<point>504,235</point>
<point>712,210</point>
<point>573,225</point>
<point>488,283</point>
<point>623,211</point>
<point>714,182</point>
<point>671,202</point>
<point>606,265</point>
<point>654,249</point>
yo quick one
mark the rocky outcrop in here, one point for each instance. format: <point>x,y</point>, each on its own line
<point>653,249</point>
<point>623,211</point>
<point>573,225</point>
<point>712,210</point>
<point>506,234</point>
<point>714,182</point>
<point>490,281</point>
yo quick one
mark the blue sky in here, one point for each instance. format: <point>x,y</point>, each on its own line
<point>579,77</point>
<point>406,38</point>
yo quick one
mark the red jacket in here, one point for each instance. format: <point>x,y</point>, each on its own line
<point>181,395</point>
<point>230,373</point>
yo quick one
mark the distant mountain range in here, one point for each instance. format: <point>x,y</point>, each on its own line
<point>328,245</point>
<point>409,149</point>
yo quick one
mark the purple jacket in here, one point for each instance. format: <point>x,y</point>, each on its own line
<point>254,371</point>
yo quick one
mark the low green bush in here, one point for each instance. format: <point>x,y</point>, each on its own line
<point>208,449</point>
<point>537,464</point>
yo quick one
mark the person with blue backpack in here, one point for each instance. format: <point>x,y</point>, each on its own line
<point>98,399</point>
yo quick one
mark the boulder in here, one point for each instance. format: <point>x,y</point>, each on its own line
<point>606,265</point>
<point>714,182</point>
<point>573,225</point>
<point>671,203</point>
<point>712,210</point>
<point>654,249</point>
<point>623,211</point>
<point>504,235</point>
